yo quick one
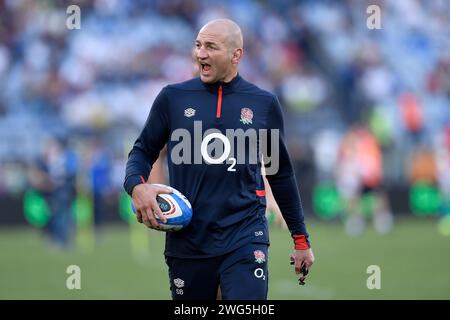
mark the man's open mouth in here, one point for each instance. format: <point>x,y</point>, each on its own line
<point>205,67</point>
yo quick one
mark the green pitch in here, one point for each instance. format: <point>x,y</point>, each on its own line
<point>414,261</point>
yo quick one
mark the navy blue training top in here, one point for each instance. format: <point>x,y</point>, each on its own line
<point>228,198</point>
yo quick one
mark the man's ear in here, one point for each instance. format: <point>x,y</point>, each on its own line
<point>237,55</point>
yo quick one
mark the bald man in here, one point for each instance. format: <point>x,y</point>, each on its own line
<point>239,125</point>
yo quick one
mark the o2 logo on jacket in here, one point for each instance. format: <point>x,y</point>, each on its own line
<point>225,155</point>
<point>236,146</point>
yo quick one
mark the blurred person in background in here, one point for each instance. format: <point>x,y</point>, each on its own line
<point>54,175</point>
<point>422,171</point>
<point>413,117</point>
<point>40,181</point>
<point>62,164</point>
<point>442,156</point>
<point>359,174</point>
<point>101,184</point>
<point>422,167</point>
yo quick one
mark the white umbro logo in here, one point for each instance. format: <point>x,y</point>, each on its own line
<point>189,112</point>
<point>178,283</point>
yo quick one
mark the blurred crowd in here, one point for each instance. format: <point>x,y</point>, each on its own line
<point>341,84</point>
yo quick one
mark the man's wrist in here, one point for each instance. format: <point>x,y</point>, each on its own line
<point>134,181</point>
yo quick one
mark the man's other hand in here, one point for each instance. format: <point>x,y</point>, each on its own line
<point>302,261</point>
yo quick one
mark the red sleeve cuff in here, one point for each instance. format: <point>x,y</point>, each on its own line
<point>300,242</point>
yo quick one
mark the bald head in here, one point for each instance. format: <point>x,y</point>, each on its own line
<point>218,50</point>
<point>229,29</point>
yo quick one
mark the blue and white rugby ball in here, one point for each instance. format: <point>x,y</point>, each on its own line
<point>175,207</point>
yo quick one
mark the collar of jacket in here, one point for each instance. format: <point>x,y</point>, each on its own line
<point>227,87</point>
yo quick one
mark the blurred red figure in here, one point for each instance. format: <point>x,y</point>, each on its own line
<point>359,173</point>
<point>412,116</point>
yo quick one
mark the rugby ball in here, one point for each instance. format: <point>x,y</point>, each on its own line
<point>175,207</point>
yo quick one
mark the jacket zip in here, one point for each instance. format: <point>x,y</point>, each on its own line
<point>219,103</point>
